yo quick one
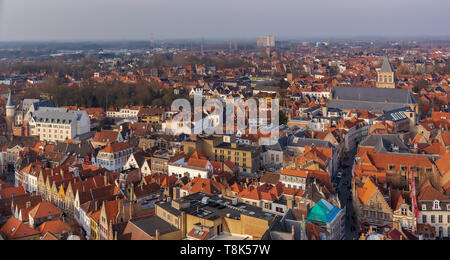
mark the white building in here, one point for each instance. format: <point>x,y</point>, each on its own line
<point>356,133</point>
<point>131,112</point>
<point>114,157</point>
<point>139,161</point>
<point>434,209</point>
<point>181,170</point>
<point>316,94</point>
<point>59,124</point>
<point>294,178</point>
<point>81,215</point>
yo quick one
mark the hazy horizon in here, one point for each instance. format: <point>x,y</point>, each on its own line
<point>138,20</point>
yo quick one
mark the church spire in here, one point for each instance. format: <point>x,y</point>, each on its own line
<point>386,67</point>
<point>10,102</point>
<point>10,107</point>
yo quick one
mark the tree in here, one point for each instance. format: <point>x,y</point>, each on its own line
<point>283,118</point>
<point>419,85</point>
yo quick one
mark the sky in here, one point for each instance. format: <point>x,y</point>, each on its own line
<point>72,20</point>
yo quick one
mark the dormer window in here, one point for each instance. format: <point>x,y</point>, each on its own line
<point>404,211</point>
<point>436,205</point>
<point>424,207</point>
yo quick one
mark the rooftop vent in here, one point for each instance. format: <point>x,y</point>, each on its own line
<point>205,200</point>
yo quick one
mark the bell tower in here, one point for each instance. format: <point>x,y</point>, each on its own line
<point>10,107</point>
<point>10,114</point>
<point>385,77</point>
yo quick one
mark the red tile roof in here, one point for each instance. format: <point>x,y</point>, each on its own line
<point>366,191</point>
<point>15,229</point>
<point>44,209</point>
<point>106,136</point>
<point>116,147</point>
<point>12,192</point>
<point>55,227</point>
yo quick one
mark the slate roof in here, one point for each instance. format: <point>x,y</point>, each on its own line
<point>386,67</point>
<point>371,99</point>
<point>10,102</point>
<point>84,148</point>
<point>302,142</point>
<point>149,225</point>
<point>395,115</point>
<point>401,96</point>
<point>384,143</point>
<point>57,115</point>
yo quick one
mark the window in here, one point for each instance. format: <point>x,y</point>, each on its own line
<point>424,219</point>
<point>391,167</point>
<point>403,168</point>
<point>404,211</point>
<point>436,205</point>
<point>424,207</point>
<point>433,219</point>
<point>440,219</point>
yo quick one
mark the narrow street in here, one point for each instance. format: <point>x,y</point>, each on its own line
<point>345,194</point>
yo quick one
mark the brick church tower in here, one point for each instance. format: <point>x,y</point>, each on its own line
<point>385,77</point>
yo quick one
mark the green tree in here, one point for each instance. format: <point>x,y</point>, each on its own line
<point>283,118</point>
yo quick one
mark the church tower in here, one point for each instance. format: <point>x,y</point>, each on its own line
<point>385,77</point>
<point>10,114</point>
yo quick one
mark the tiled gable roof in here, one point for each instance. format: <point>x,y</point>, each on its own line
<point>14,229</point>
<point>12,192</point>
<point>429,193</point>
<point>44,209</point>
<point>54,227</point>
<point>366,191</point>
<point>116,147</point>
<point>106,136</point>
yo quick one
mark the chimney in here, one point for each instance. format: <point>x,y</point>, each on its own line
<point>157,234</point>
<point>293,232</point>
<point>131,210</point>
<point>289,203</point>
